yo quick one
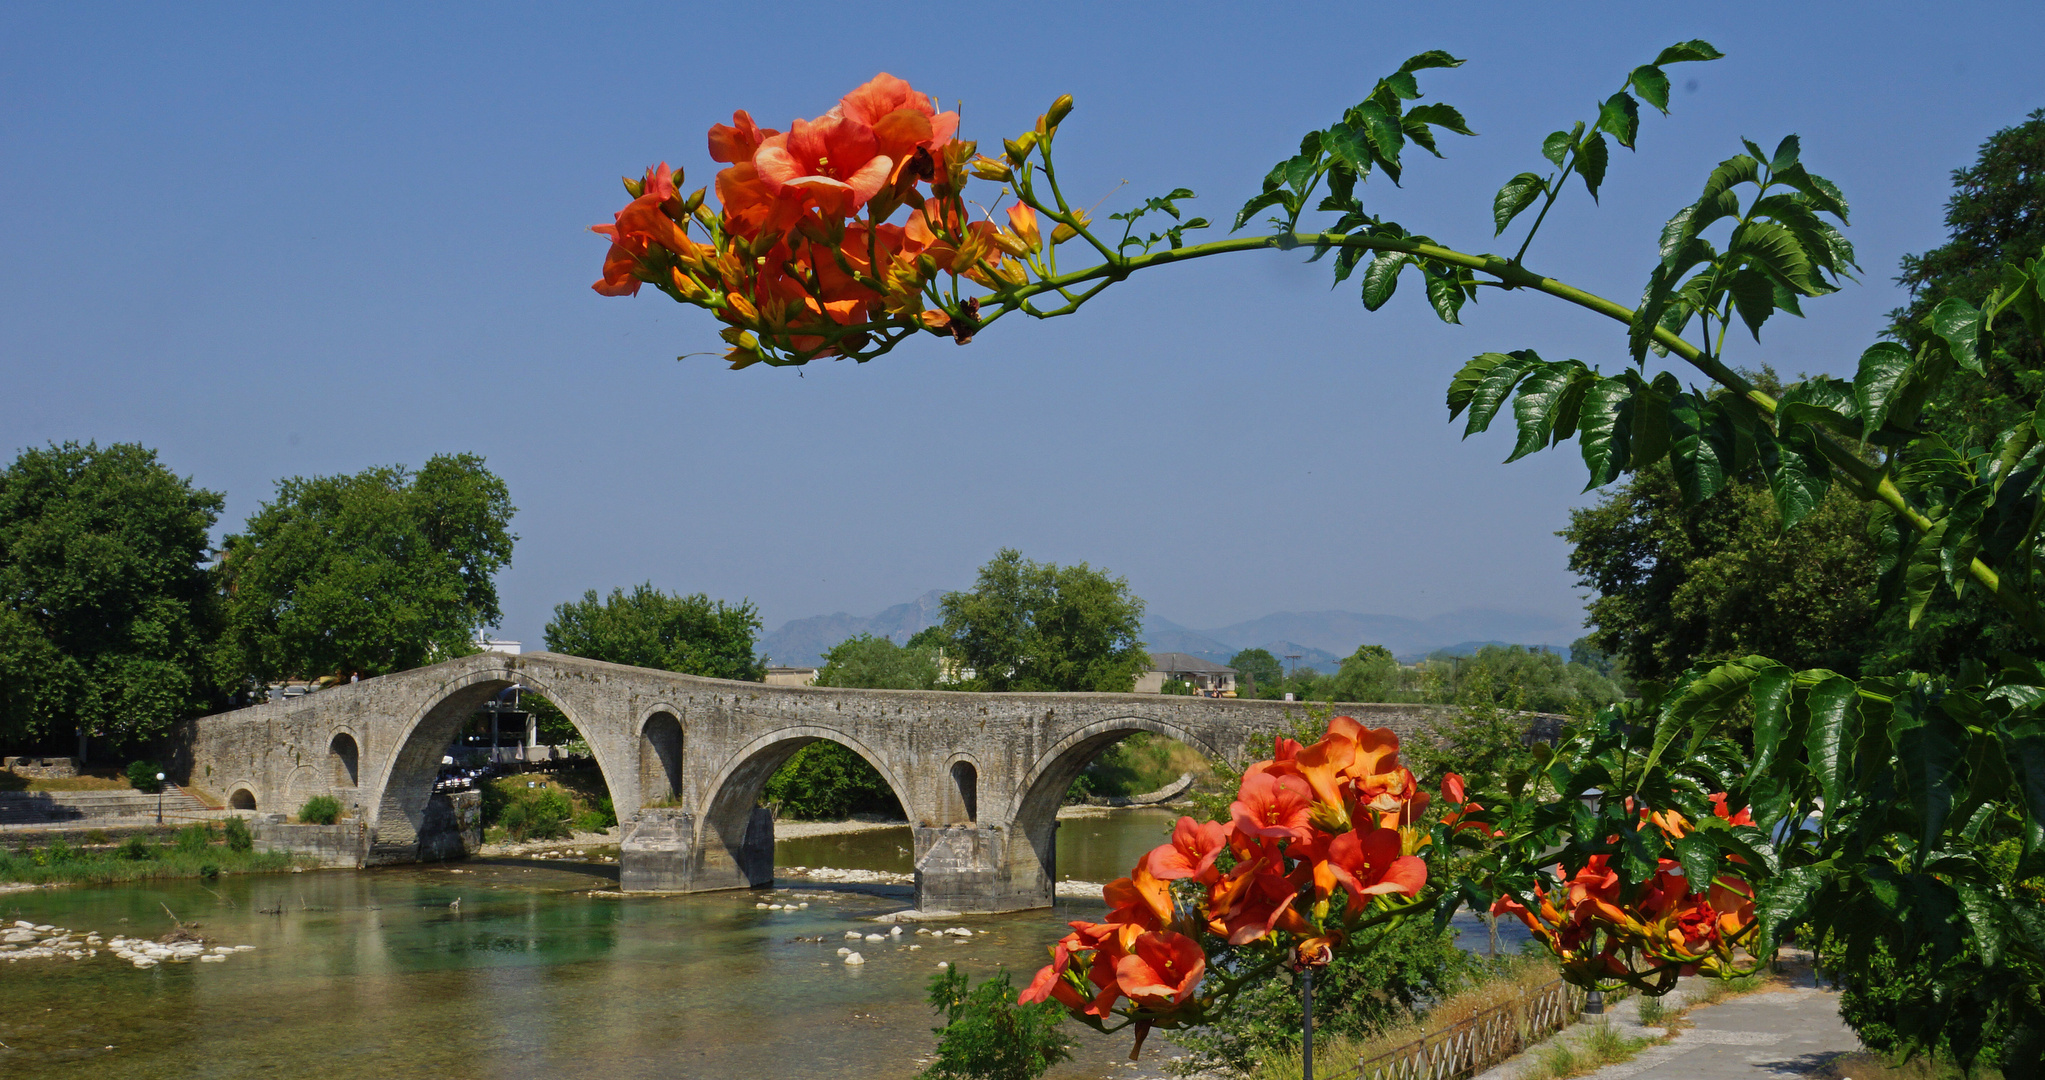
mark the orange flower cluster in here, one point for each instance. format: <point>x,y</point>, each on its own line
<point>1666,926</point>
<point>1339,815</point>
<point>802,256</point>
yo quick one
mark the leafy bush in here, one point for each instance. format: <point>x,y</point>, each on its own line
<point>194,838</point>
<point>320,810</point>
<point>527,813</point>
<point>209,871</point>
<point>825,781</point>
<point>986,1035</point>
<point>238,836</point>
<point>1140,763</point>
<point>142,776</point>
<point>96,836</point>
<point>1355,997</point>
<point>136,849</point>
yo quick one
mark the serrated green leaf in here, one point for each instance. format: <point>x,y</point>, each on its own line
<point>1927,743</point>
<point>1696,49</point>
<point>1730,173</point>
<point>1556,147</point>
<point>2024,742</point>
<point>1383,134</point>
<point>1877,383</point>
<point>1651,419</point>
<point>1698,853</point>
<point>1824,194</point>
<point>1444,294</point>
<point>1606,429</point>
<point>1922,577</point>
<point>1347,145</point>
<point>1402,84</point>
<point>1753,297</point>
<point>1774,248</point>
<point>1985,927</point>
<point>1834,703</point>
<point>1591,161</point>
<point>1381,278</point>
<point>1533,407</point>
<point>1652,84</point>
<point>1437,58</point>
<point>1268,198</point>
<point>1786,153</point>
<point>1620,115</point>
<point>1441,116</point>
<point>1490,392</point>
<point>1959,324</point>
<point>1569,404</point>
<point>1517,194</point>
<point>1466,382</point>
<point>1770,690</point>
<point>1698,452</point>
<point>1646,317</point>
<point>1797,473</point>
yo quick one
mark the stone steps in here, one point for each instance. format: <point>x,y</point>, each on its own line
<point>58,807</point>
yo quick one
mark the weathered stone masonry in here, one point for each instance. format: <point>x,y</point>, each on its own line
<point>980,775</point>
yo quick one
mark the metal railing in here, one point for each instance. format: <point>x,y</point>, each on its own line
<point>1473,1045</point>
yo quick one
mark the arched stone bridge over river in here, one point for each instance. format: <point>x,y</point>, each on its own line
<point>980,775</point>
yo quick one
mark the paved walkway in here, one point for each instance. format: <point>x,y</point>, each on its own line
<point>1791,1031</point>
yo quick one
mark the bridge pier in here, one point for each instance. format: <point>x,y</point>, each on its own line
<point>978,869</point>
<point>662,853</point>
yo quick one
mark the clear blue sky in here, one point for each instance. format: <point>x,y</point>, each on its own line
<point>299,239</point>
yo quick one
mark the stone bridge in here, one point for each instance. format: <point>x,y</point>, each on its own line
<point>979,775</point>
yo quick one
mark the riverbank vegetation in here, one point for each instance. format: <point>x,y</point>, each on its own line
<point>546,806</point>
<point>195,851</point>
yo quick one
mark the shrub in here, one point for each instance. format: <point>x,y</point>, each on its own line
<point>136,849</point>
<point>320,810</point>
<point>194,838</point>
<point>238,836</point>
<point>986,1035</point>
<point>57,852</point>
<point>142,776</point>
<point>97,837</point>
<point>209,871</point>
<point>825,781</point>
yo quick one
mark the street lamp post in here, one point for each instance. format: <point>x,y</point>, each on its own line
<point>159,798</point>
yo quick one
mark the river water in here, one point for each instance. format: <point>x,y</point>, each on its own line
<point>378,973</point>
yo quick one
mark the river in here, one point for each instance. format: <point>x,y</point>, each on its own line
<point>379,973</point>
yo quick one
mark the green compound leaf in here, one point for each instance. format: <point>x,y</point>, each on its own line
<point>1444,292</point>
<point>1606,423</point>
<point>1517,194</point>
<point>1835,725</point>
<point>1535,406</point>
<point>1957,321</point>
<point>1464,386</point>
<point>1797,473</point>
<point>1491,390</point>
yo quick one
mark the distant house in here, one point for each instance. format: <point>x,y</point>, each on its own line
<point>791,676</point>
<point>498,646</point>
<point>1206,677</point>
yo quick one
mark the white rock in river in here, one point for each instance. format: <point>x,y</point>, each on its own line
<point>144,962</point>
<point>762,907</point>
<point>24,924</point>
<point>216,959</point>
<point>854,958</point>
<point>876,937</point>
<point>913,948</point>
<point>943,963</point>
<point>843,951</point>
<point>852,935</point>
<point>244,948</point>
<point>896,932</point>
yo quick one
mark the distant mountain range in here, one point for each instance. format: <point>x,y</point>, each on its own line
<point>1320,639</point>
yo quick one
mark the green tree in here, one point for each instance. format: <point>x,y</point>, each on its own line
<point>986,1035</point>
<point>646,627</point>
<point>1039,626</point>
<point>828,781</point>
<point>381,571</point>
<point>1260,670</point>
<point>1678,583</point>
<point>1516,677</point>
<point>877,663</point>
<point>105,612</point>
<point>1368,674</point>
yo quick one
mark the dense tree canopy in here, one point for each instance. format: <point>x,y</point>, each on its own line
<point>1039,626</point>
<point>381,571</point>
<point>877,663</point>
<point>1258,673</point>
<point>105,608</point>
<point>646,627</point>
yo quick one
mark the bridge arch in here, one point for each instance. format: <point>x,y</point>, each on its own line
<point>405,780</point>
<point>731,795</point>
<point>662,745</point>
<point>1035,810</point>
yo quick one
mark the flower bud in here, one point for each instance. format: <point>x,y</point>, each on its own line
<point>1066,232</point>
<point>693,202</point>
<point>926,267</point>
<point>633,187</point>
<point>987,168</point>
<point>1060,109</point>
<point>1023,220</point>
<point>1019,148</point>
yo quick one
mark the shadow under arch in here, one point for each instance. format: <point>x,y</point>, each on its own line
<point>407,829</point>
<point>1035,812</point>
<point>728,829</point>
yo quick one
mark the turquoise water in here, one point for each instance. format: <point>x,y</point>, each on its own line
<point>373,974</point>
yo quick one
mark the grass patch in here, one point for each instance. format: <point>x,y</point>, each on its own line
<point>93,778</point>
<point>196,851</point>
<point>1600,1046</point>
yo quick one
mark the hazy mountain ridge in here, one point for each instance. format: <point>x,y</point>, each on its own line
<point>1320,638</point>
